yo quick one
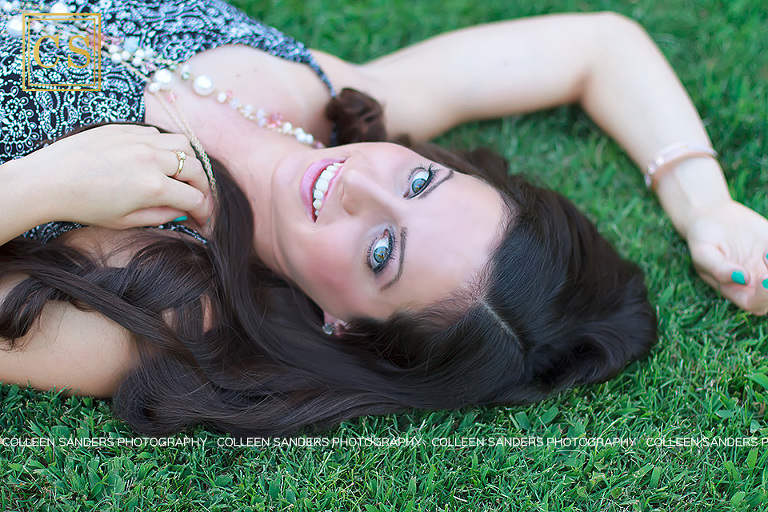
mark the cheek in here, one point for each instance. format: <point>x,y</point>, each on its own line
<point>325,267</point>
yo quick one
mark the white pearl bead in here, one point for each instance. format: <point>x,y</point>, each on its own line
<point>163,77</point>
<point>137,61</point>
<point>126,55</point>
<point>116,58</point>
<point>15,26</point>
<point>203,85</point>
<point>60,8</point>
<point>221,97</point>
<point>7,6</point>
<point>113,48</point>
<point>287,127</point>
<point>153,87</point>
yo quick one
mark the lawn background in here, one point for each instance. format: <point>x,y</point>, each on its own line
<point>705,379</point>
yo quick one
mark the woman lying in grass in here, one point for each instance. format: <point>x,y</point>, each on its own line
<point>307,275</point>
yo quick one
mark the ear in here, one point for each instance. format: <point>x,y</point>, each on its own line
<point>340,325</point>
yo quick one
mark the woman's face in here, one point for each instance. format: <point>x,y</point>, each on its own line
<point>367,229</point>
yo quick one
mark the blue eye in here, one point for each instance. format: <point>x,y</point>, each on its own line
<point>380,251</point>
<point>420,179</point>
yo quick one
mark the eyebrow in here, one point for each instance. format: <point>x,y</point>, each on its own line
<point>404,234</point>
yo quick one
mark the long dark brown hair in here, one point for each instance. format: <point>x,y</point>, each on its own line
<point>226,343</point>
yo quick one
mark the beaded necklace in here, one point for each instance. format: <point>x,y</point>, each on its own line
<point>158,73</point>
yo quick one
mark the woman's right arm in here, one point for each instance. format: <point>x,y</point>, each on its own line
<point>116,176</point>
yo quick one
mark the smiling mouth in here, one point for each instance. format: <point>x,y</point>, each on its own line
<point>321,186</point>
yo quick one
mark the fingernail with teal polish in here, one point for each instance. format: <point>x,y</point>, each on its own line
<point>765,284</point>
<point>738,277</point>
<point>180,219</point>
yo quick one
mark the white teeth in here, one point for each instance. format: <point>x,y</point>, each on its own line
<point>321,185</point>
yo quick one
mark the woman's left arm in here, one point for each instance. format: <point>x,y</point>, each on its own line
<point>607,64</point>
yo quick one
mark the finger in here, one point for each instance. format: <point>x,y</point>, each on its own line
<point>755,299</point>
<point>181,164</point>
<point>710,260</point>
<point>182,196</point>
<point>152,217</point>
<point>184,164</point>
<point>740,295</point>
<point>761,291</point>
<point>179,191</point>
<point>751,298</point>
<point>192,173</point>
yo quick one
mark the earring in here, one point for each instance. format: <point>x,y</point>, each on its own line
<point>328,329</point>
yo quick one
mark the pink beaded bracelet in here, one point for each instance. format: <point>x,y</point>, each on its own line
<point>672,154</point>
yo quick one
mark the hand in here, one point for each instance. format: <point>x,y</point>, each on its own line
<point>119,176</point>
<point>727,240</point>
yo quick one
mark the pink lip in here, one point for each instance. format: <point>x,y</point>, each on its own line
<point>308,180</point>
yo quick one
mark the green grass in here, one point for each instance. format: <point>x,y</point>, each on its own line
<point>704,380</point>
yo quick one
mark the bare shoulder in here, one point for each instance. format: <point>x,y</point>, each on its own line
<point>82,351</point>
<point>344,74</point>
<point>402,108</point>
<point>409,108</point>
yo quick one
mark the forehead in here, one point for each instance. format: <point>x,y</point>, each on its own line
<point>450,238</point>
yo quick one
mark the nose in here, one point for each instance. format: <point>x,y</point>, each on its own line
<point>362,193</point>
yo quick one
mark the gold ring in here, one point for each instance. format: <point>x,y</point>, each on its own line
<point>181,156</point>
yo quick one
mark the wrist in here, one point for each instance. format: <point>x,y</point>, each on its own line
<point>690,189</point>
<point>27,194</point>
<point>673,154</point>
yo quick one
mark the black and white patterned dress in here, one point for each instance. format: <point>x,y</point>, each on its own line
<point>175,29</point>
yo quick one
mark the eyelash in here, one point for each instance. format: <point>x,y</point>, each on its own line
<point>392,240</point>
